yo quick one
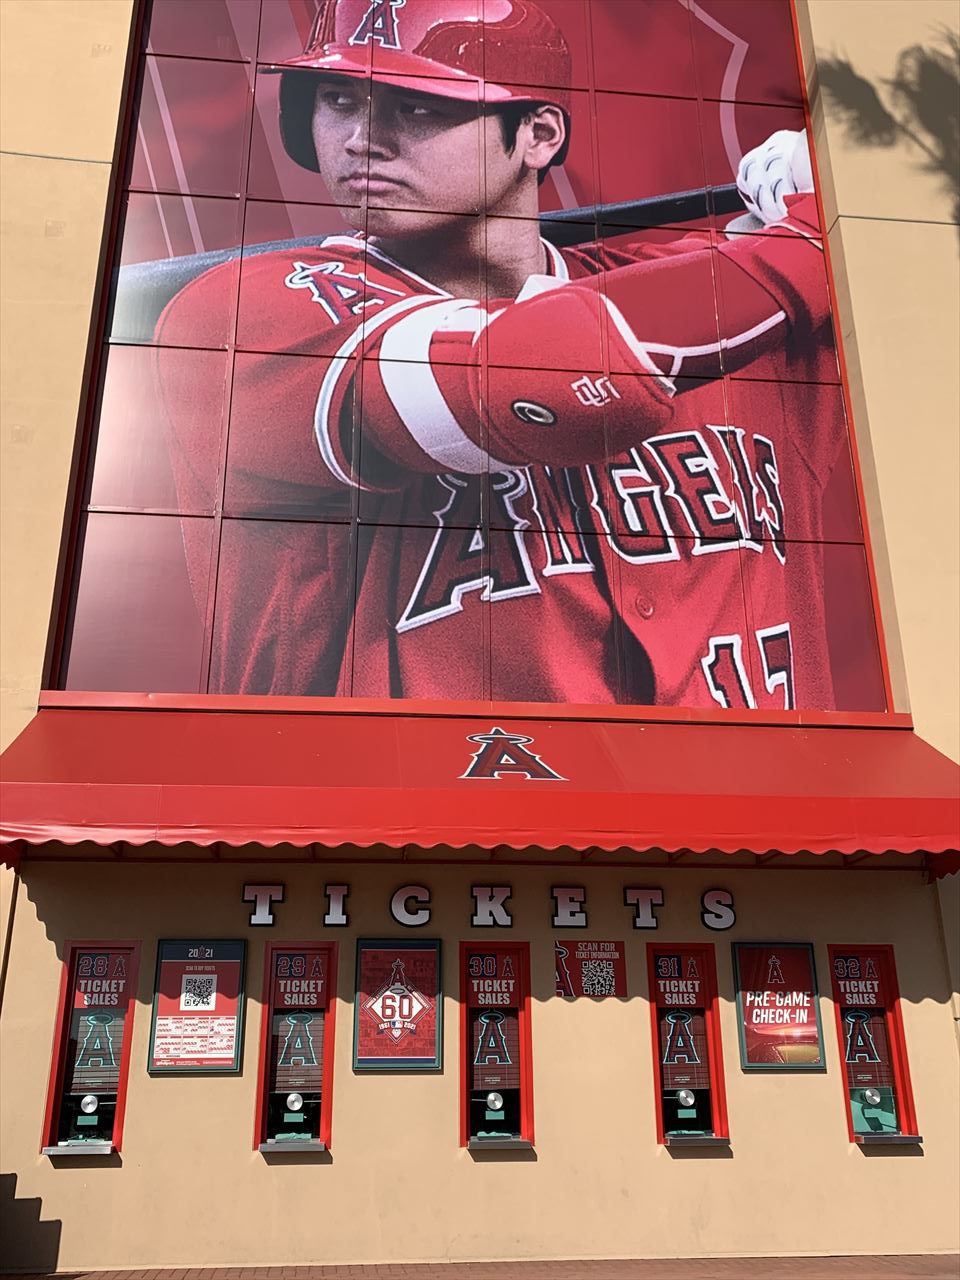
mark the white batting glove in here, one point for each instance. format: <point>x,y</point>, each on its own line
<point>778,168</point>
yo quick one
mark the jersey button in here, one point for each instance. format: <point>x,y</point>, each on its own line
<point>644,606</point>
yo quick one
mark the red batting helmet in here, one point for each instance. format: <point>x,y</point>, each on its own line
<point>439,47</point>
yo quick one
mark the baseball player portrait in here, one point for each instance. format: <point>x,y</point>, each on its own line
<point>476,450</point>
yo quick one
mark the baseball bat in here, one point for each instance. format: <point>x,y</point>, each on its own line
<point>143,289</point>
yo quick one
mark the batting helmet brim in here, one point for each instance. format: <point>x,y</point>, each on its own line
<point>420,75</point>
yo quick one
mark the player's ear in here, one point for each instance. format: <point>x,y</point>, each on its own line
<point>544,135</point>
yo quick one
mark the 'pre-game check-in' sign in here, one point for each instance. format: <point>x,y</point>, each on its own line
<point>777,1007</point>
<point>397,1018</point>
<point>586,968</point>
<point>197,1006</point>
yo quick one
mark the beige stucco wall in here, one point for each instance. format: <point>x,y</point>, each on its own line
<point>894,244</point>
<point>190,1189</point>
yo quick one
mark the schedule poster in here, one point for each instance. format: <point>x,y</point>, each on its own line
<point>590,969</point>
<point>397,1024</point>
<point>777,1008</point>
<point>197,1007</point>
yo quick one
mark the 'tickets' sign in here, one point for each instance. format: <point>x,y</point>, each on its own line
<point>397,1022</point>
<point>777,1010</point>
<point>197,1007</point>
<point>590,968</point>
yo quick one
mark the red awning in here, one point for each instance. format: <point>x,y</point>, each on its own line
<point>237,777</point>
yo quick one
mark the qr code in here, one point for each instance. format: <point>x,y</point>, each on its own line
<point>598,978</point>
<point>197,992</point>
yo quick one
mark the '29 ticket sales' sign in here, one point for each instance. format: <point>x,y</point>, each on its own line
<point>197,1006</point>
<point>777,1010</point>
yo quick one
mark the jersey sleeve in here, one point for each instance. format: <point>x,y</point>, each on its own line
<point>446,386</point>
<point>272,457</point>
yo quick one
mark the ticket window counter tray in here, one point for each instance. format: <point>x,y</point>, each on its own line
<point>276,1146</point>
<point>888,1139</point>
<point>695,1140</point>
<point>499,1144</point>
<point>80,1149</point>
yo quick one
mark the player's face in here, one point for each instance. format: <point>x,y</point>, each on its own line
<point>413,159</point>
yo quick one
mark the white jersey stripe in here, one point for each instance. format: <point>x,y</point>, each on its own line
<point>639,350</point>
<point>680,354</point>
<point>415,394</point>
<point>341,364</point>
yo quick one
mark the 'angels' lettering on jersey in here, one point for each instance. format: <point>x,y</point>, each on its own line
<point>695,499</point>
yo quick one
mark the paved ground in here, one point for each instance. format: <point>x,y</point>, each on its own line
<point>886,1268</point>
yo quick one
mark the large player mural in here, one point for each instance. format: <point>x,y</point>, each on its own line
<point>474,349</point>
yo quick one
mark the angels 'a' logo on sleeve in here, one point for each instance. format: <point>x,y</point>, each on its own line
<point>340,293</point>
<point>501,753</point>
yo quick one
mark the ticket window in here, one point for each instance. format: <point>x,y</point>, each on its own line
<point>688,1061</point>
<point>872,1045</point>
<point>296,1050</point>
<point>91,1059</point>
<point>496,1090</point>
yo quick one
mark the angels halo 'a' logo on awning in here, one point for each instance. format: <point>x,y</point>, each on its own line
<point>397,1007</point>
<point>502,754</point>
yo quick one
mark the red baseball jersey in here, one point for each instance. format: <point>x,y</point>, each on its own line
<point>550,497</point>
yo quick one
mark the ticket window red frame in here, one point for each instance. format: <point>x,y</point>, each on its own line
<point>687,1049</point>
<point>873,1049</point>
<point>496,1052</point>
<point>295,1074</point>
<point>87,1090</point>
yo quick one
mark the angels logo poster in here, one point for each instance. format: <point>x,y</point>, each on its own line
<point>537,295</point>
<point>398,1014</point>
